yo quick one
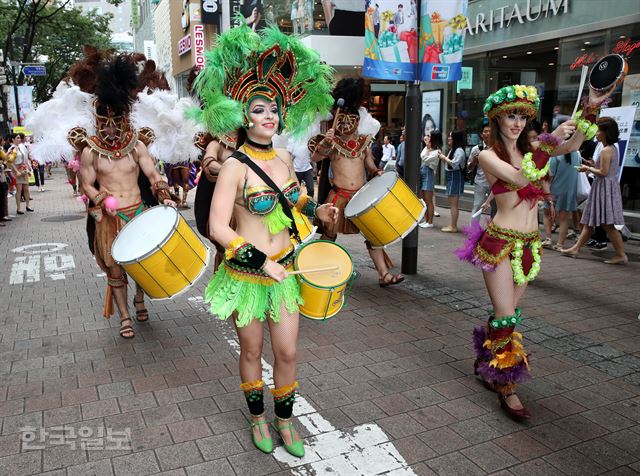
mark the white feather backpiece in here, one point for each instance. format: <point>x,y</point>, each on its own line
<point>163,112</point>
<point>368,125</point>
<point>52,120</point>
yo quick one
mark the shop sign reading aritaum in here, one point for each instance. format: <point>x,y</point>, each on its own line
<point>522,12</point>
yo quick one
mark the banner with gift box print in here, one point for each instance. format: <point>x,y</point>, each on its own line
<point>393,49</point>
<point>442,27</point>
<point>391,40</point>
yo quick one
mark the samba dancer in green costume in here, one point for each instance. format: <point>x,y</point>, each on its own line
<point>261,84</point>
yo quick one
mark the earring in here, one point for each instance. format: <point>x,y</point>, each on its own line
<point>251,124</point>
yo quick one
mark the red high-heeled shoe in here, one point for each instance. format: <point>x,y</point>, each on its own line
<point>521,414</point>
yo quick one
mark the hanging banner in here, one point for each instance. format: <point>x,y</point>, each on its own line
<point>442,27</point>
<point>391,40</point>
<point>394,51</point>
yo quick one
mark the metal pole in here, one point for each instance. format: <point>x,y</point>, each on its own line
<point>15,93</point>
<point>412,137</point>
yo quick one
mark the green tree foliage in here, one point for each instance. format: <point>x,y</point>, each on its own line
<point>41,31</point>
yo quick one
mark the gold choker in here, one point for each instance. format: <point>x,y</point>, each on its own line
<point>259,154</point>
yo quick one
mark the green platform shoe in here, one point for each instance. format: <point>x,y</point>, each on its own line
<point>296,448</point>
<point>266,443</point>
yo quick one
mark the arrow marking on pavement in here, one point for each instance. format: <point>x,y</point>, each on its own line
<point>362,450</point>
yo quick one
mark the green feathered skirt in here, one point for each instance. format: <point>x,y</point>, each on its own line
<point>251,293</point>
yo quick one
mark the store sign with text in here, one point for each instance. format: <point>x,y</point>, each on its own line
<point>199,45</point>
<point>518,12</point>
<point>211,11</point>
<point>624,48</point>
<point>184,45</point>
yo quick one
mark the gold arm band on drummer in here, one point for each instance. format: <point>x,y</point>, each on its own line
<point>99,199</point>
<point>160,190</point>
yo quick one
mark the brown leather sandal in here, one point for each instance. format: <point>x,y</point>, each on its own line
<point>395,279</point>
<point>126,329</point>
<point>142,315</point>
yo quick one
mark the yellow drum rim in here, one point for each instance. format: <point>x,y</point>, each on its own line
<point>158,246</point>
<point>377,200</point>
<point>317,286</point>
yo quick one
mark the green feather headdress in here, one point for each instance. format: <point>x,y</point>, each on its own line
<point>244,65</point>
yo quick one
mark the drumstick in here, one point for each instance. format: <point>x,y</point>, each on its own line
<point>583,78</point>
<point>314,270</point>
<point>478,213</point>
<point>339,104</point>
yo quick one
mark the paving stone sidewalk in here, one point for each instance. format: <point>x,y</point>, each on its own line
<point>387,386</point>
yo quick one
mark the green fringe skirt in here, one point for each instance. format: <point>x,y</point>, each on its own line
<point>251,293</point>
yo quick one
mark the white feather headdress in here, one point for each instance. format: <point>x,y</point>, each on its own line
<point>163,112</point>
<point>52,120</point>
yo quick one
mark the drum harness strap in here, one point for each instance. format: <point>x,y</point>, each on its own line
<point>293,229</point>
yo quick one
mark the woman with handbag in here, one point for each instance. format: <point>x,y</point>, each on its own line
<point>430,160</point>
<point>267,82</point>
<point>605,200</point>
<point>21,165</point>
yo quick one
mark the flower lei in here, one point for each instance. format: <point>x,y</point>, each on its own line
<point>513,96</point>
<point>529,169</point>
<point>535,165</point>
<point>588,128</point>
<point>516,262</point>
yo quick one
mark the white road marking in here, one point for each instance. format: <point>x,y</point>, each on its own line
<point>362,450</point>
<point>26,269</point>
<point>56,265</point>
<point>33,249</point>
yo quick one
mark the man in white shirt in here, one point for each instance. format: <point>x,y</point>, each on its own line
<point>302,165</point>
<point>481,188</point>
<point>388,152</point>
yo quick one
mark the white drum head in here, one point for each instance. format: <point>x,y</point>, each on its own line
<point>144,234</point>
<point>370,194</point>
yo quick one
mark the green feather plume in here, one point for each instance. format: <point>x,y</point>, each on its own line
<point>232,55</point>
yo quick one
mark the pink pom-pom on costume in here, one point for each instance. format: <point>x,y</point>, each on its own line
<point>75,165</point>
<point>111,203</point>
<point>83,198</point>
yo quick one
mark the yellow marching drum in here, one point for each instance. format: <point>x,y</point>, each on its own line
<point>385,210</point>
<point>161,252</point>
<point>324,291</point>
<point>305,227</point>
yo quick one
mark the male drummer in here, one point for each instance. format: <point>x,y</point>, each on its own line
<point>348,149</point>
<point>111,161</point>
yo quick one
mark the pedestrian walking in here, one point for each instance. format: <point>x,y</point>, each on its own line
<point>604,206</point>
<point>20,162</point>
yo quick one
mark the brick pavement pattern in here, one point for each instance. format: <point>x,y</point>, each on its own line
<point>399,358</point>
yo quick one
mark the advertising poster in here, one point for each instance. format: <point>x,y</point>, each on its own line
<point>442,27</point>
<point>624,116</point>
<point>431,108</point>
<point>631,97</point>
<point>391,40</point>
<point>25,99</point>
